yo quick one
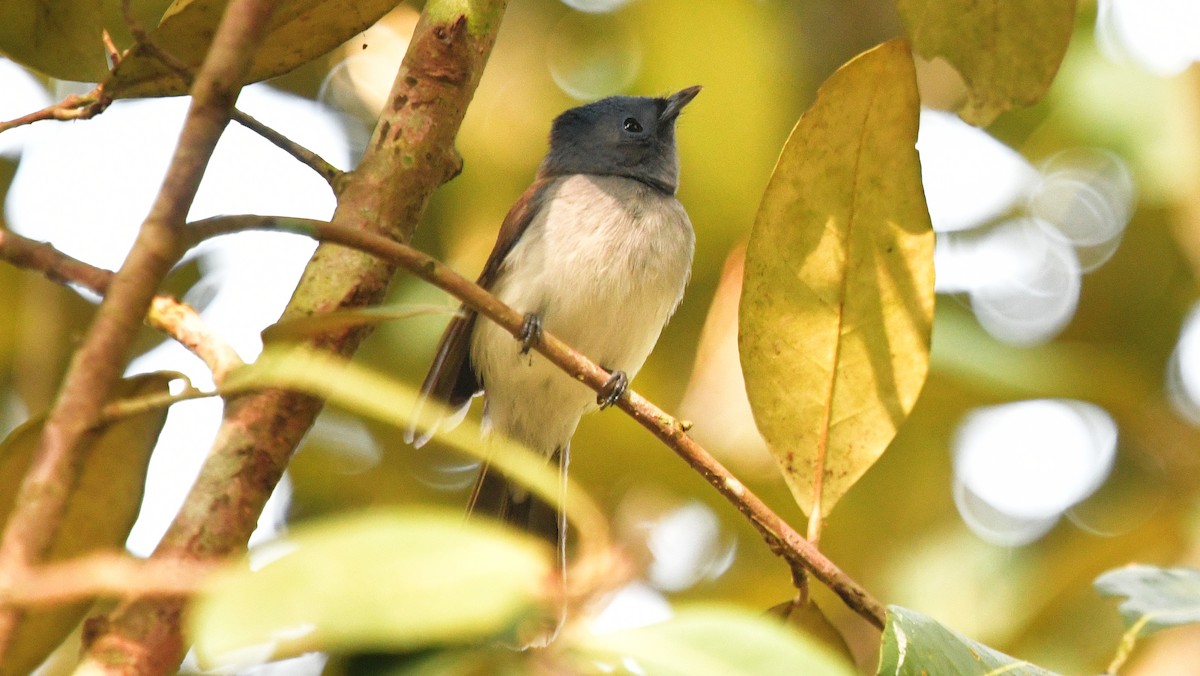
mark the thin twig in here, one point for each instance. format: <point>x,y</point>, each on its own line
<point>779,535</point>
<point>97,364</point>
<point>317,163</point>
<point>172,317</point>
<point>105,575</point>
<point>71,108</point>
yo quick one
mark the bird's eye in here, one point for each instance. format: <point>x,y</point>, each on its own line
<point>632,125</point>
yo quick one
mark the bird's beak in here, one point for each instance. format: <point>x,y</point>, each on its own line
<point>676,102</point>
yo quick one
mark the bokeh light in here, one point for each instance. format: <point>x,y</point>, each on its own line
<point>1019,466</point>
<point>592,56</point>
<point>1025,285</point>
<point>1183,370</point>
<point>596,6</point>
<point>1158,35</point>
<point>1086,197</point>
<point>969,177</point>
<point>1023,273</point>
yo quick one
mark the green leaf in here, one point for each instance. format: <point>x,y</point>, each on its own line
<point>62,38</point>
<point>99,512</point>
<point>916,645</point>
<point>713,641</point>
<point>389,580</point>
<point>304,327</point>
<point>367,393</point>
<point>1155,598</point>
<point>1007,52</point>
<point>837,305</point>
<point>300,31</point>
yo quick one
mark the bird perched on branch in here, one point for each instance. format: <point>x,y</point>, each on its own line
<point>597,251</point>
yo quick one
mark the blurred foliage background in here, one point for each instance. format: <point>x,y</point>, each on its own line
<point>899,531</point>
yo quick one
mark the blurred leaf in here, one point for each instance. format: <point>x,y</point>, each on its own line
<point>388,580</point>
<point>1007,52</point>
<point>300,31</point>
<point>721,641</point>
<point>916,645</point>
<point>62,38</point>
<point>99,513</point>
<point>837,304</point>
<point>303,327</point>
<point>370,394</point>
<point>811,621</point>
<point>1155,598</point>
<point>490,660</point>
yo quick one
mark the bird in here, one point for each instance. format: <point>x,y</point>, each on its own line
<point>597,251</point>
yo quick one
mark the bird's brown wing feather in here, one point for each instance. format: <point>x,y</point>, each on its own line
<point>452,378</point>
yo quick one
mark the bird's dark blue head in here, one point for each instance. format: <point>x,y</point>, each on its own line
<point>631,136</point>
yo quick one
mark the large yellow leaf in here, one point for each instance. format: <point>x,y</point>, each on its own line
<point>99,513</point>
<point>837,304</point>
<point>1007,51</point>
<point>62,38</point>
<point>300,31</point>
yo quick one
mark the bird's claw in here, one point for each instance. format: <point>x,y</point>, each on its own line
<point>531,332</point>
<point>608,395</point>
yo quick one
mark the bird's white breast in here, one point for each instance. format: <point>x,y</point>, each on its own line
<point>604,263</point>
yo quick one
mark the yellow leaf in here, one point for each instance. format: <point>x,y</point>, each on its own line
<point>62,38</point>
<point>99,513</point>
<point>300,31</point>
<point>1007,52</point>
<point>837,304</point>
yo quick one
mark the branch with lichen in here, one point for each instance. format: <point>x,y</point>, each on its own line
<point>97,364</point>
<point>409,156</point>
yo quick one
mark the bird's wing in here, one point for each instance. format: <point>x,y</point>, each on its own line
<point>452,379</point>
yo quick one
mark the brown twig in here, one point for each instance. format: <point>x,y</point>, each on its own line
<point>97,364</point>
<point>317,163</point>
<point>71,108</point>
<point>410,155</point>
<point>168,315</point>
<point>105,575</point>
<point>779,535</point>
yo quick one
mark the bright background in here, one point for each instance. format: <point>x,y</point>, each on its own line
<point>1057,435</point>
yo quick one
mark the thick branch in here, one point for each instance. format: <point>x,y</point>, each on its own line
<point>98,362</point>
<point>409,156</point>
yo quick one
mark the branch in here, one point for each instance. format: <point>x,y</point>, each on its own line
<point>330,173</point>
<point>779,535</point>
<point>168,315</point>
<point>97,364</point>
<point>108,575</point>
<point>409,156</point>
<point>73,107</point>
<point>142,37</point>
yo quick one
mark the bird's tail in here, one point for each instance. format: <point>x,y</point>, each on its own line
<point>497,496</point>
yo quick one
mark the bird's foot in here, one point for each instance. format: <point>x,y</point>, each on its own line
<point>531,332</point>
<point>608,395</point>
